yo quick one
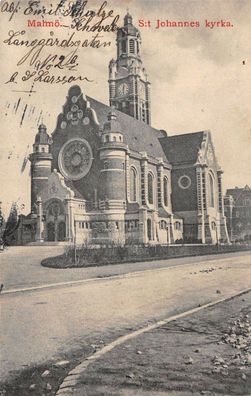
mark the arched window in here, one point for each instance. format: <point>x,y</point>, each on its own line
<point>163,225</point>
<point>133,184</point>
<point>131,46</point>
<point>211,190</point>
<point>143,112</point>
<point>165,190</point>
<point>150,188</point>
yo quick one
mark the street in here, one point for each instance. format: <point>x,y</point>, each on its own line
<point>38,325</point>
<point>20,267</point>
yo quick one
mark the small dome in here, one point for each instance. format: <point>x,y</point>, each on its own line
<point>128,28</point>
<point>128,19</point>
<point>112,125</point>
<point>42,136</point>
<point>112,115</point>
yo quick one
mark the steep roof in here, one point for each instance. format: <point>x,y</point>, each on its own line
<point>237,192</point>
<point>42,136</point>
<point>182,148</point>
<point>142,137</point>
<point>138,135</point>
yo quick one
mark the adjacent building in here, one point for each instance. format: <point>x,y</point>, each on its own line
<point>238,213</point>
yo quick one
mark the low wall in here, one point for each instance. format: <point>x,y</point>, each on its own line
<point>86,257</point>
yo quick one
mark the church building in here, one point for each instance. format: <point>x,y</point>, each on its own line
<point>105,175</point>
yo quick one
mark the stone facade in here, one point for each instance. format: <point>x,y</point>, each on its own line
<point>106,176</point>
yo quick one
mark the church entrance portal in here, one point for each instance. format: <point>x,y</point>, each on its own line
<point>56,231</point>
<point>61,231</point>
<point>51,232</point>
<point>55,216</point>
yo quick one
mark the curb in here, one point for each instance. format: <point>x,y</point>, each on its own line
<point>71,380</point>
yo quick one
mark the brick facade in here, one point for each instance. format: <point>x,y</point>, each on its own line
<point>106,176</point>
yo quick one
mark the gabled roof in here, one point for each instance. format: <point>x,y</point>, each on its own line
<point>237,192</point>
<point>182,148</point>
<point>138,135</point>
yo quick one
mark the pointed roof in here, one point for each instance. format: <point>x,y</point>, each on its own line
<point>182,148</point>
<point>128,27</point>
<point>42,136</point>
<point>127,19</point>
<point>141,137</point>
<point>112,124</point>
<point>237,192</point>
<point>137,135</point>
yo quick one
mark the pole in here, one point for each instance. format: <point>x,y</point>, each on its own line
<point>217,236</point>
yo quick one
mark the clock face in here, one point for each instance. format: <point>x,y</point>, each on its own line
<point>75,159</point>
<point>123,89</point>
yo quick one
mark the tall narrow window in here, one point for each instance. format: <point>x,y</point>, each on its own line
<point>133,185</point>
<point>124,46</point>
<point>132,46</point>
<point>211,191</point>
<point>150,188</point>
<point>143,112</point>
<point>165,190</point>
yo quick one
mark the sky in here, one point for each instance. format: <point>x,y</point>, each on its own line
<point>200,80</point>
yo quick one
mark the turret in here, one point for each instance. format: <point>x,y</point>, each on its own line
<point>112,155</point>
<point>41,160</point>
<point>128,42</point>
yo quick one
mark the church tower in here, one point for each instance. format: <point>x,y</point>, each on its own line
<point>129,88</point>
<point>41,160</point>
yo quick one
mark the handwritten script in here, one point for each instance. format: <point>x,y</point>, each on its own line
<point>55,58</point>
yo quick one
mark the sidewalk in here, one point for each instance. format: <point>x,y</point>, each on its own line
<point>202,354</point>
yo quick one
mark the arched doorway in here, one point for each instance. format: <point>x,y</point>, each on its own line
<point>54,214</point>
<point>61,231</point>
<point>149,229</point>
<point>51,232</point>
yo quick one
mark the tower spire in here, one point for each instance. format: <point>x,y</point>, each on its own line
<point>129,87</point>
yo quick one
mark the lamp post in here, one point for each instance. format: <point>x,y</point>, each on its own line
<point>217,236</point>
